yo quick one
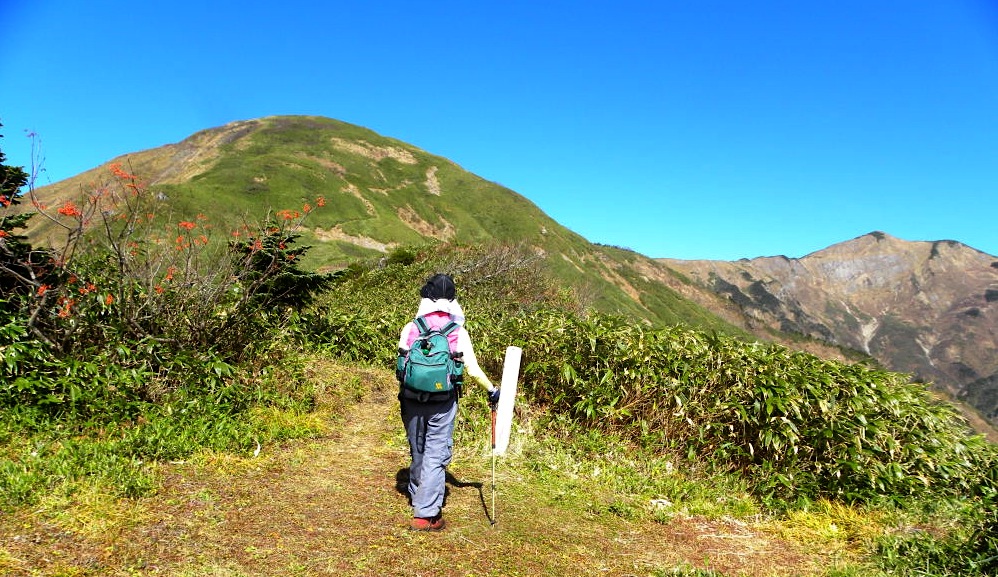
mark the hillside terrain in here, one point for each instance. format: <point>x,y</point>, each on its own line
<point>379,194</point>
<point>926,308</point>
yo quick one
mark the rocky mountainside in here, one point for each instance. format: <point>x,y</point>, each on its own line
<point>925,308</point>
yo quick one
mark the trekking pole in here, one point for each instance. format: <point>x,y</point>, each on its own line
<point>495,517</point>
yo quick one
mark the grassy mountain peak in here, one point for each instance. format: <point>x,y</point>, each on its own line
<point>379,194</point>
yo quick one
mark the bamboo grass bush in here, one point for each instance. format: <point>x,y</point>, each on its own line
<point>798,425</point>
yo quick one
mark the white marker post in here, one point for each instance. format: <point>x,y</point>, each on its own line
<point>504,414</point>
<point>502,417</point>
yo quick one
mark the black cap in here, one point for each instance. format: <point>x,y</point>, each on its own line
<point>438,286</point>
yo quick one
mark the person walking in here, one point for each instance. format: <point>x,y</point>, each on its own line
<point>429,417</point>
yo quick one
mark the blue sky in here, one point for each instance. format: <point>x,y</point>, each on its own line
<point>716,129</point>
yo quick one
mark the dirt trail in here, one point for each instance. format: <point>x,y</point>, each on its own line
<point>333,507</point>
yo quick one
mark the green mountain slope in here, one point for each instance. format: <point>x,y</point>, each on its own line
<point>379,194</point>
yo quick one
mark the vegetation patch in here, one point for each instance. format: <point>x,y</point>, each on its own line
<point>181,405</point>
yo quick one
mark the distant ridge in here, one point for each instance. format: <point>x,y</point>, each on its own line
<point>923,307</point>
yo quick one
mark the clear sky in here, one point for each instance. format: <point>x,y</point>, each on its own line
<point>716,129</point>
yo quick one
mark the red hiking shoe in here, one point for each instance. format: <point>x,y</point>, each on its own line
<point>427,524</point>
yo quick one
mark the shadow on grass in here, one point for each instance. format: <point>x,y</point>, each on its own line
<point>402,486</point>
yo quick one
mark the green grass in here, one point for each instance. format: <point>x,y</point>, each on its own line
<point>565,494</point>
<point>280,163</point>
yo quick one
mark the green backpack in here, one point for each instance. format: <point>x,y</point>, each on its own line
<point>429,369</point>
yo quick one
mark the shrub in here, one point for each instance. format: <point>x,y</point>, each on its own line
<point>361,315</point>
<point>127,274</point>
<point>140,338</point>
<point>797,425</point>
<point>969,551</point>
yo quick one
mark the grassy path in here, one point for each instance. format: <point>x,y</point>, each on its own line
<point>332,506</point>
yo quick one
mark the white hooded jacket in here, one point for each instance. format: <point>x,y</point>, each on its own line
<point>456,313</point>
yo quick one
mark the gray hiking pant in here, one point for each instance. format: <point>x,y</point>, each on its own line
<point>430,429</point>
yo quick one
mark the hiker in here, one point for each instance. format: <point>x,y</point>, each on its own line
<point>429,417</point>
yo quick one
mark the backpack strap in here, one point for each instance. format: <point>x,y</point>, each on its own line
<point>449,328</point>
<point>422,325</point>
